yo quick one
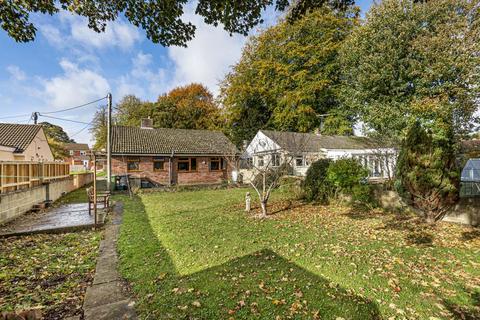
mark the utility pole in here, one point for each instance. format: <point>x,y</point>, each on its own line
<point>109,140</point>
<point>35,117</point>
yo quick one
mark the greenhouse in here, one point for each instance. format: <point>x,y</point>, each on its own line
<point>470,180</point>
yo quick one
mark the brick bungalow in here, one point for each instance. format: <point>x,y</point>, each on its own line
<point>171,156</point>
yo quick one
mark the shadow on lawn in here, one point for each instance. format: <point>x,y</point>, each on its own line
<point>258,285</point>
<point>470,235</point>
<point>464,312</point>
<point>417,231</point>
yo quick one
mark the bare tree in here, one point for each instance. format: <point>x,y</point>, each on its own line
<point>271,163</point>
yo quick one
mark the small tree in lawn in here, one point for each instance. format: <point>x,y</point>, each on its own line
<point>275,165</point>
<point>427,173</point>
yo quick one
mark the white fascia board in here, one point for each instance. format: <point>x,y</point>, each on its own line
<point>262,144</point>
<point>6,148</point>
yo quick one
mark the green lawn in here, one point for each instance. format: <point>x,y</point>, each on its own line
<point>198,255</point>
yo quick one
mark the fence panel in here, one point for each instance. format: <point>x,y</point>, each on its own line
<point>23,175</point>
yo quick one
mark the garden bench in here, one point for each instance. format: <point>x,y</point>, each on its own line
<point>102,197</point>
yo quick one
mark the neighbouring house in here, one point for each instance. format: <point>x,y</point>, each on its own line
<point>78,156</point>
<point>163,157</point>
<point>272,148</point>
<point>24,142</point>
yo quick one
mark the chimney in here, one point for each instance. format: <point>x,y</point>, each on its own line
<point>146,124</point>
<point>245,144</point>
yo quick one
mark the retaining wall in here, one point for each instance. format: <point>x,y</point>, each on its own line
<point>16,203</point>
<point>466,211</point>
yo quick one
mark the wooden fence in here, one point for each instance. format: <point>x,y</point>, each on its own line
<point>17,175</point>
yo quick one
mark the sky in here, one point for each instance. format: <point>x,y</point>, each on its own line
<point>68,65</point>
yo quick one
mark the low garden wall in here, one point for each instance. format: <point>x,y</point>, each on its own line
<point>16,203</point>
<point>466,211</point>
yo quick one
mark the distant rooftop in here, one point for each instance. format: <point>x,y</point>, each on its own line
<point>76,146</point>
<point>311,142</point>
<point>18,136</point>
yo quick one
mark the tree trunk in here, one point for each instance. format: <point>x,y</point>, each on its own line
<point>429,218</point>
<point>263,204</point>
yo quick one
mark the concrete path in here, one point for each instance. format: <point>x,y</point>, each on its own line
<point>62,218</point>
<point>107,297</point>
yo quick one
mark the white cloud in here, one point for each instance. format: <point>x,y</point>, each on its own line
<point>208,56</point>
<point>16,73</point>
<point>53,35</point>
<point>75,86</point>
<point>141,80</point>
<point>73,31</point>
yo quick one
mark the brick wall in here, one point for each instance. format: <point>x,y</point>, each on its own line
<point>200,176</point>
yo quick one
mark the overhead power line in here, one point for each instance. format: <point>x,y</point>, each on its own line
<point>76,107</point>
<point>81,130</point>
<point>62,119</point>
<point>17,116</point>
<point>57,111</point>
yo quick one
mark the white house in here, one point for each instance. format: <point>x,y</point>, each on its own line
<point>272,148</point>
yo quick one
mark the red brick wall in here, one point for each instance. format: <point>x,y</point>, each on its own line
<point>201,176</point>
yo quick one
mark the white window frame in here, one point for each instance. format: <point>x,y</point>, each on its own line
<point>260,161</point>
<point>275,159</point>
<point>303,161</point>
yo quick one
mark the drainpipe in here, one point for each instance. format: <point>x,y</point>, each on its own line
<point>170,172</point>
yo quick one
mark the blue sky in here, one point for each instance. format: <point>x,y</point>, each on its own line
<point>68,65</point>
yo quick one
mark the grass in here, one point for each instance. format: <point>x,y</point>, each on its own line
<point>198,255</point>
<point>47,272</point>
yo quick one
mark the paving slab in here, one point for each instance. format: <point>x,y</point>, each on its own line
<point>107,298</point>
<point>104,293</point>
<point>62,217</point>
<point>119,310</point>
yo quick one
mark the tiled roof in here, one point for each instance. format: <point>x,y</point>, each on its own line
<point>18,136</point>
<point>311,142</point>
<point>135,140</point>
<point>76,146</point>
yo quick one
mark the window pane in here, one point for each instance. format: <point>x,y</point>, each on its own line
<point>299,161</point>
<point>133,165</point>
<point>260,161</point>
<point>193,162</point>
<point>275,160</point>
<point>183,166</point>
<point>214,165</point>
<point>158,165</point>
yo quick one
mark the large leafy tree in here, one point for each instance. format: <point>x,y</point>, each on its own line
<point>162,20</point>
<point>188,107</point>
<point>130,110</point>
<point>414,60</point>
<point>99,128</point>
<point>56,137</point>
<point>288,76</point>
